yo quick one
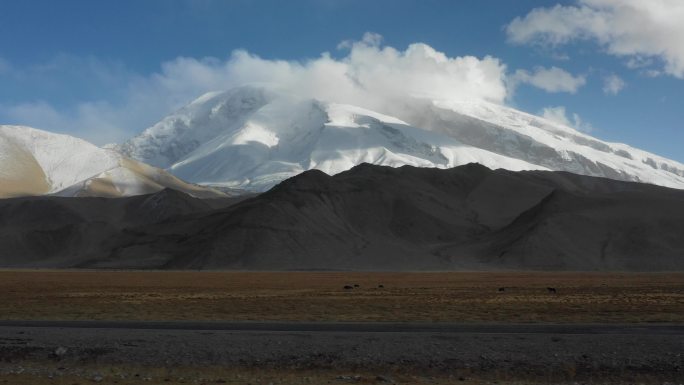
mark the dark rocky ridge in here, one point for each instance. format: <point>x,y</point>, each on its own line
<point>368,218</point>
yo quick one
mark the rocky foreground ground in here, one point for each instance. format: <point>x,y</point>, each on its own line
<point>30,355</point>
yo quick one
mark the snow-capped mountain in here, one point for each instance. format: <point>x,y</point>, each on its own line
<point>36,162</point>
<point>252,138</point>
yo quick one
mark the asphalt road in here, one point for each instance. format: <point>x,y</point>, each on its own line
<point>364,327</point>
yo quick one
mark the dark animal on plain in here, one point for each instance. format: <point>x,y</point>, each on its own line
<point>502,289</point>
<point>347,287</point>
<point>381,286</point>
<point>551,289</point>
<point>356,285</point>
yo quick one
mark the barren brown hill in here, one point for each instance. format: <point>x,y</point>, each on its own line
<point>368,218</point>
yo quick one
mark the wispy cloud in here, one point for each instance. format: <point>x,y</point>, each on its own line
<point>97,122</point>
<point>559,115</point>
<point>5,66</point>
<point>552,79</point>
<point>613,84</point>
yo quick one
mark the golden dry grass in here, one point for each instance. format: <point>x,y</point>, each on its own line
<point>319,296</point>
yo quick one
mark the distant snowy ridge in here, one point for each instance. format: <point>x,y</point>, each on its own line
<point>36,162</point>
<point>253,138</point>
<point>546,143</point>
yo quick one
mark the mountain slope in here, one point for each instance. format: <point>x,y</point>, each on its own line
<point>407,218</point>
<point>51,231</point>
<point>35,162</point>
<point>367,218</point>
<point>253,138</point>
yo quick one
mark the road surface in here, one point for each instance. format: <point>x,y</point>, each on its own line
<point>546,351</point>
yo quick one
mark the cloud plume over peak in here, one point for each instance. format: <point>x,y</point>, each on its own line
<point>368,73</point>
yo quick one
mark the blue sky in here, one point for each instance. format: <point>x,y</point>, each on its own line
<point>105,70</point>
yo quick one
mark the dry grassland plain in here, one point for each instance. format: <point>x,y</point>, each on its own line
<point>321,296</point>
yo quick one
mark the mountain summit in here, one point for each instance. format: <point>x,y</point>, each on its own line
<point>254,137</point>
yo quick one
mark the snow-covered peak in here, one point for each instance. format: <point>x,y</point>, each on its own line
<point>253,138</point>
<point>64,159</point>
<point>36,162</point>
<point>180,133</point>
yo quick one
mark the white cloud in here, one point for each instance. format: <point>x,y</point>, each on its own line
<point>552,79</point>
<point>559,115</point>
<point>369,74</point>
<point>613,84</point>
<point>636,29</point>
